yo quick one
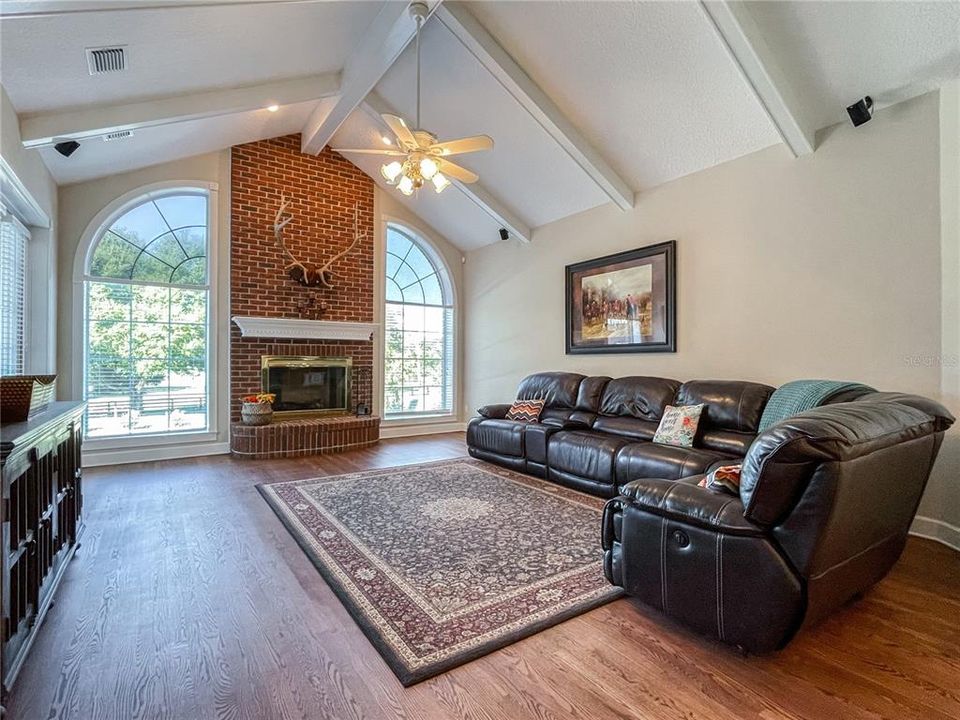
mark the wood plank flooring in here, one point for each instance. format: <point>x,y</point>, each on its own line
<point>188,600</point>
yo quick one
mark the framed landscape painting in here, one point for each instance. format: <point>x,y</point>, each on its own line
<point>623,303</point>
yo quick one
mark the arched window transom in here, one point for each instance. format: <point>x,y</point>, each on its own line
<point>418,357</point>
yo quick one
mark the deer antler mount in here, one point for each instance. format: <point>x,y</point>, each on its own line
<point>311,274</point>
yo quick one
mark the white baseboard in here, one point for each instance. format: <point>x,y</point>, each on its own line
<point>97,458</point>
<point>938,530</point>
<point>399,431</point>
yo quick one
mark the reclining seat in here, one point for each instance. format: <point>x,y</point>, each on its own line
<point>727,427</point>
<point>518,445</point>
<point>826,501</point>
<point>625,411</point>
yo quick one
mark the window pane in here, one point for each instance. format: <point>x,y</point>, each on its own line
<point>191,305</point>
<point>419,263</point>
<point>432,295</point>
<point>150,304</point>
<point>413,294</point>
<point>405,277</point>
<point>393,292</point>
<point>113,258</point>
<point>140,225</point>
<point>397,244</point>
<point>413,318</point>
<point>148,269</point>
<point>191,272</point>
<point>412,345</point>
<point>183,210</point>
<point>166,248</point>
<point>393,264</point>
<point>193,240</point>
<point>433,319</point>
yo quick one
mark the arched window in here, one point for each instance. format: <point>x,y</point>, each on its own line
<point>418,354</point>
<point>146,298</point>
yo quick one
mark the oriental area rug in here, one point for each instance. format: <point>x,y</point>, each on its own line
<point>444,562</point>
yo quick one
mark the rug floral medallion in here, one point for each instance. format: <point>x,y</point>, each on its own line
<point>443,562</point>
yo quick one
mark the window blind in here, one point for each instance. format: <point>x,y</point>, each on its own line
<point>13,271</point>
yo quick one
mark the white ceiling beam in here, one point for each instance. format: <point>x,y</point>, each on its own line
<point>744,42</point>
<point>375,106</point>
<point>535,101</point>
<point>47,8</point>
<point>389,33</point>
<point>49,128</point>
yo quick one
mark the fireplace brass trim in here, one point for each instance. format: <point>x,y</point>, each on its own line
<point>272,361</point>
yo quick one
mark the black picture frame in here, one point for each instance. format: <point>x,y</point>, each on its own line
<point>625,316</point>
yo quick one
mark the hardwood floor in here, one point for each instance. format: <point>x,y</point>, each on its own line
<point>188,600</point>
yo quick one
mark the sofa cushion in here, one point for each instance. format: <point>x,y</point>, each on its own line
<point>643,398</point>
<point>628,427</point>
<point>556,389</point>
<point>504,437</point>
<point>584,454</point>
<point>647,460</point>
<point>731,404</point>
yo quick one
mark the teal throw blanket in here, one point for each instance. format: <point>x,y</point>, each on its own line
<point>799,395</point>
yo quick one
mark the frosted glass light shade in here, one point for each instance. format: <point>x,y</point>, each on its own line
<point>440,182</point>
<point>405,185</point>
<point>428,168</point>
<point>391,171</point>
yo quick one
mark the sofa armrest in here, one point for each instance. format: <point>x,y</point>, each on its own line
<point>688,502</point>
<point>496,411</point>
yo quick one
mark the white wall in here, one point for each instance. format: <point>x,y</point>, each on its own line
<point>824,266</point>
<point>33,178</point>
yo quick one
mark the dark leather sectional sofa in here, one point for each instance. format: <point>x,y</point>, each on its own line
<point>826,497</point>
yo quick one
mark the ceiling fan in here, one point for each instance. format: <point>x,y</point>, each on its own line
<point>424,158</point>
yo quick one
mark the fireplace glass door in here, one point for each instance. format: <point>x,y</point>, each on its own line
<point>308,385</point>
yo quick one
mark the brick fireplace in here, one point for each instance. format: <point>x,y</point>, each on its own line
<point>323,191</point>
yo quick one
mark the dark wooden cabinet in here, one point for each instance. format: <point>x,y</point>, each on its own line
<point>41,516</point>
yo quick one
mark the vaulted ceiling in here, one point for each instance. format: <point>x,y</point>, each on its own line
<point>588,102</point>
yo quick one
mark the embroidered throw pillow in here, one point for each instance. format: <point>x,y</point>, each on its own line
<point>678,425</point>
<point>525,410</point>
<point>725,477</point>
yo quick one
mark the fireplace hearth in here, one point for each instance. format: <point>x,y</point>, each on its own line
<point>308,386</point>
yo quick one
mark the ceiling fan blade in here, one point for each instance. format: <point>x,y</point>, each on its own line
<point>369,151</point>
<point>457,172</point>
<point>399,128</point>
<point>464,145</point>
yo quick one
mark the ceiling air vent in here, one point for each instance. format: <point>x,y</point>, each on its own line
<point>106,59</point>
<point>119,135</point>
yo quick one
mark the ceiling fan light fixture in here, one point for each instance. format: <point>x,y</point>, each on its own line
<point>428,168</point>
<point>405,185</point>
<point>440,182</point>
<point>391,171</point>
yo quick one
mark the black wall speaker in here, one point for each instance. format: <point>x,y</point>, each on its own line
<point>861,111</point>
<point>67,148</point>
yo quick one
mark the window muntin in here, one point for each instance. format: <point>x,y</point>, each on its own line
<point>13,271</point>
<point>146,320</point>
<point>418,356</point>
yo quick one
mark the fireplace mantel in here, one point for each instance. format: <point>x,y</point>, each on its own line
<point>297,329</point>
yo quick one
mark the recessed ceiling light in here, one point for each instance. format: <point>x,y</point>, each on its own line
<point>386,140</point>
<point>273,108</point>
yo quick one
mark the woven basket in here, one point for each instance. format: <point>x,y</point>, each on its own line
<point>23,396</point>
